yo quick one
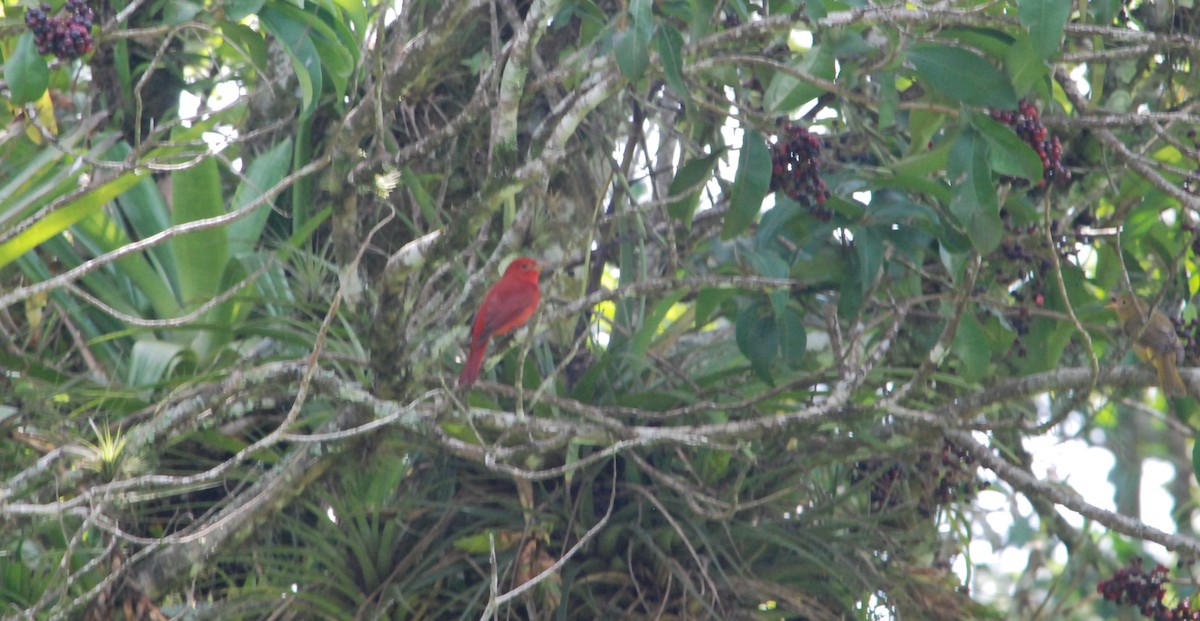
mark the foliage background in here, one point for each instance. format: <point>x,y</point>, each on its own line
<point>240,243</point>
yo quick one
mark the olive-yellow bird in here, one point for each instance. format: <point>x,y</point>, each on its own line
<point>1156,344</point>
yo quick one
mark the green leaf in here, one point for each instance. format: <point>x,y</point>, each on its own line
<point>294,36</point>
<point>237,10</point>
<point>793,339</point>
<point>200,256</point>
<point>868,244</point>
<point>971,346</point>
<point>244,42</point>
<point>889,99</point>
<point>180,11</point>
<point>708,301</point>
<point>643,20</point>
<point>669,44</point>
<point>1196,459</point>
<point>922,126</point>
<point>750,185</point>
<point>1051,337</point>
<point>336,48</point>
<point>58,220</point>
<point>690,175</point>
<point>151,361</point>
<point>355,10</point>
<point>1045,20</point>
<point>1025,68</point>
<point>989,41</point>
<point>632,56</point>
<point>974,202</point>
<point>145,273</point>
<point>786,92</point>
<point>758,338</point>
<point>26,71</point>
<point>1007,153</point>
<point>263,173</point>
<point>925,162</point>
<point>962,76</point>
<point>766,263</point>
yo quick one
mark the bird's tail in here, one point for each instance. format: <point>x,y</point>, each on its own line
<point>470,370</point>
<point>1168,377</point>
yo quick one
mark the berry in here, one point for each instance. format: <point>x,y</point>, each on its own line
<point>795,169</point>
<point>1144,591</point>
<point>1025,122</point>
<point>67,37</point>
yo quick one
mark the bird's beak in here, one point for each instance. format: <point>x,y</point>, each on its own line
<point>1112,303</point>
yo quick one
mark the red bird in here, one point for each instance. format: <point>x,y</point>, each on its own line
<point>506,306</point>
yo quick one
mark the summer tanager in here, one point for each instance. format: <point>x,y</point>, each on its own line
<point>506,306</point>
<point>1157,343</point>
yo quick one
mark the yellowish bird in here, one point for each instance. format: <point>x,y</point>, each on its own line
<point>1156,344</point>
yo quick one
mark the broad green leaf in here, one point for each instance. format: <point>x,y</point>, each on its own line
<point>991,42</point>
<point>1047,339</point>
<point>652,324</point>
<point>669,44</point>
<point>974,202</point>
<point>690,175</point>
<point>915,183</point>
<point>971,346</point>
<point>1025,68</point>
<point>200,256</point>
<point>263,173</point>
<point>708,301</point>
<point>643,20</point>
<point>924,162</point>
<point>151,361</point>
<point>26,71</point>
<point>889,100</point>
<point>237,10</point>
<point>758,338</point>
<point>786,92</point>
<point>101,233</point>
<point>922,126</point>
<point>63,217</point>
<point>591,19</point>
<point>356,10</point>
<point>868,244</point>
<point>336,50</point>
<point>245,42</point>
<point>750,185</point>
<point>793,339</point>
<point>766,263</point>
<point>1103,11</point>
<point>1045,20</point>
<point>297,43</point>
<point>632,56</point>
<point>1007,153</point>
<point>180,11</point>
<point>1196,459</point>
<point>962,76</point>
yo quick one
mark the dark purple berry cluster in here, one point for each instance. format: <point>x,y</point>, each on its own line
<point>796,168</point>
<point>939,479</point>
<point>1132,585</point>
<point>1022,258</point>
<point>954,475</point>
<point>66,36</point>
<point>1025,122</point>
<point>884,493</point>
